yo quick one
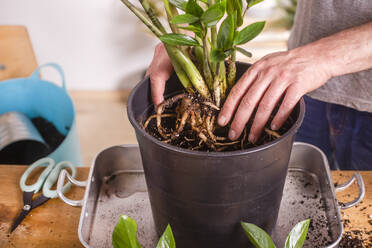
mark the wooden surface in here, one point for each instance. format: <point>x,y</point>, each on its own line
<point>55,224</point>
<point>17,58</point>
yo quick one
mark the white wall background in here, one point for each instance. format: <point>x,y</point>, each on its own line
<point>99,43</point>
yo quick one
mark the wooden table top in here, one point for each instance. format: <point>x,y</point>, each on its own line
<point>55,224</point>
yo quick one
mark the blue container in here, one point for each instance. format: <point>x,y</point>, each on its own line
<point>40,98</point>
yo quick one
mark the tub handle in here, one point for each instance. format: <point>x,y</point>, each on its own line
<point>61,180</point>
<point>362,190</point>
<point>36,75</point>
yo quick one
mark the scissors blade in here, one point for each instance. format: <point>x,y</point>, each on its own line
<point>19,219</point>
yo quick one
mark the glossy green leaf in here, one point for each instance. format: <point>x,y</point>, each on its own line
<point>218,55</point>
<point>235,6</point>
<point>213,14</point>
<point>178,40</point>
<point>251,3</point>
<point>258,237</point>
<point>248,33</point>
<point>181,4</point>
<point>244,52</point>
<point>125,233</point>
<point>193,8</point>
<point>167,240</point>
<point>225,36</point>
<point>194,28</point>
<point>184,18</point>
<point>296,238</point>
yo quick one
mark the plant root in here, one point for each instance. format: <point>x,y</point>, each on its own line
<point>195,127</point>
<point>154,116</point>
<point>272,133</point>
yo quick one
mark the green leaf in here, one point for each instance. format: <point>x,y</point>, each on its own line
<point>218,55</point>
<point>250,3</point>
<point>178,40</point>
<point>235,5</point>
<point>225,36</point>
<point>296,238</point>
<point>184,18</point>
<point>244,52</point>
<point>258,237</point>
<point>181,4</point>
<point>167,240</point>
<point>194,28</point>
<point>125,233</point>
<point>248,33</point>
<point>194,9</point>
<point>213,14</point>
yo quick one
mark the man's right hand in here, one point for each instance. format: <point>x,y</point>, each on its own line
<point>160,70</point>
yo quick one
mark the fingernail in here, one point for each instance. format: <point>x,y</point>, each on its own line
<point>232,135</point>
<point>222,120</point>
<point>274,127</point>
<point>251,138</point>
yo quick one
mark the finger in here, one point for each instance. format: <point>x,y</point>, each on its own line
<point>248,104</point>
<point>160,70</point>
<point>235,95</point>
<point>292,96</point>
<point>157,89</point>
<point>265,108</point>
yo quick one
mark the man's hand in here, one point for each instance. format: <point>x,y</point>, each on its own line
<point>160,70</point>
<point>292,74</point>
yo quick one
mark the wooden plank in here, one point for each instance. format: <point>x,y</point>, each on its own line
<point>356,218</point>
<point>17,58</point>
<point>52,225</point>
<point>55,223</point>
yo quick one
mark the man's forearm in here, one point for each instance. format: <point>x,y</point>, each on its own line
<point>347,51</point>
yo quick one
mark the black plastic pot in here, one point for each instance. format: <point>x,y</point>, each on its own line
<point>205,195</point>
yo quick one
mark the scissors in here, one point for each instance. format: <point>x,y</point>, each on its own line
<point>46,180</point>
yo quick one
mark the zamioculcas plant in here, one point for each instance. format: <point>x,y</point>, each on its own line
<point>205,63</point>
<point>125,235</point>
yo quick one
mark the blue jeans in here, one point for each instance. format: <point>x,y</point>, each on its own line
<point>344,134</point>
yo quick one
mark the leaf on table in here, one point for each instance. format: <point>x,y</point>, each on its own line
<point>167,240</point>
<point>296,238</point>
<point>125,233</point>
<point>258,237</point>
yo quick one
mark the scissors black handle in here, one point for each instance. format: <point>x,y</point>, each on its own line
<point>28,205</point>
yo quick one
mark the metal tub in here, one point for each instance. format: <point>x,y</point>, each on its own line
<point>116,185</point>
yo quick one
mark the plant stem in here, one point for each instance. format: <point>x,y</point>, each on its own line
<point>143,18</point>
<point>182,76</point>
<point>171,12</point>
<point>223,81</point>
<point>206,66</point>
<point>231,77</point>
<point>150,13</point>
<point>217,85</point>
<point>192,72</point>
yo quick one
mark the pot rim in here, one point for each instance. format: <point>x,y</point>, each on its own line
<point>188,152</point>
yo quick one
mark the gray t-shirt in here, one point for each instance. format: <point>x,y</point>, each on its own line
<point>316,19</point>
